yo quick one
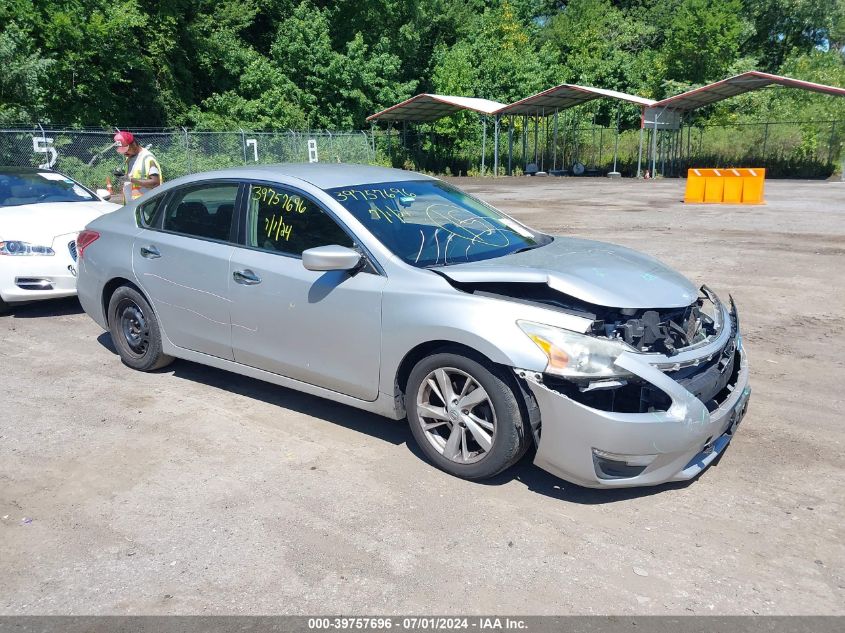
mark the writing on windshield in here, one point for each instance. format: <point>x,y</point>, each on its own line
<point>430,223</point>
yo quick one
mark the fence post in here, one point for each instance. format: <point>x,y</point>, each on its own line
<point>243,143</point>
<point>367,145</point>
<point>187,151</point>
<point>765,141</point>
<point>830,144</point>
<point>44,141</point>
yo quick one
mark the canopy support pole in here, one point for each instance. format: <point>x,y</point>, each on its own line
<point>496,145</point>
<point>483,142</point>
<point>524,142</point>
<point>554,144</point>
<point>536,131</point>
<point>640,156</point>
<point>510,146</point>
<point>654,145</point>
<point>616,143</point>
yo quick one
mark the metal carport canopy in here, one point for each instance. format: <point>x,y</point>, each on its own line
<point>430,107</point>
<point>733,86</point>
<point>567,96</point>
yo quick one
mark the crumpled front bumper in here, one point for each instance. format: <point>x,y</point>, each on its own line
<point>685,439</point>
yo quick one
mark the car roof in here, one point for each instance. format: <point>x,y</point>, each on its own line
<point>322,175</point>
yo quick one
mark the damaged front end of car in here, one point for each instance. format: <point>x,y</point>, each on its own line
<point>642,397</point>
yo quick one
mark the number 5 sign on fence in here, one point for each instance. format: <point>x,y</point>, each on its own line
<point>312,151</point>
<point>42,145</point>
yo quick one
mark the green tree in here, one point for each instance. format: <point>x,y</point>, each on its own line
<point>23,80</point>
<point>786,27</point>
<point>703,40</point>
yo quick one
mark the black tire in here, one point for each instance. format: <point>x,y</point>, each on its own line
<point>4,307</point>
<point>135,331</point>
<point>509,440</point>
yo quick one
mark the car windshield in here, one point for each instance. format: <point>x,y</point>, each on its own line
<point>40,186</point>
<point>430,223</point>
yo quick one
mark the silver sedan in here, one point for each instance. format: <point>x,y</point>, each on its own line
<point>399,294</point>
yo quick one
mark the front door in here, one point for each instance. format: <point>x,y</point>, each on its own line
<point>183,267</point>
<point>323,328</point>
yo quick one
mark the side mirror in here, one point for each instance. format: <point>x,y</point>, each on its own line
<point>334,257</point>
<point>103,193</point>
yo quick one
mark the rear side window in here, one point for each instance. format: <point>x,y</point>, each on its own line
<point>147,213</point>
<point>283,221</point>
<point>204,212</point>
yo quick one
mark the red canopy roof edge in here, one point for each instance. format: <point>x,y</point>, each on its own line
<point>677,102</point>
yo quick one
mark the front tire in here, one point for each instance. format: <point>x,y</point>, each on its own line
<point>135,331</point>
<point>464,415</point>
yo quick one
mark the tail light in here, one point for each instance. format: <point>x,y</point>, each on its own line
<point>84,240</point>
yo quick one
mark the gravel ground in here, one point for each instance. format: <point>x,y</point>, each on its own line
<point>195,491</point>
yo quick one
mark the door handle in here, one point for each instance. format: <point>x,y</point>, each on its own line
<point>246,277</point>
<point>150,252</point>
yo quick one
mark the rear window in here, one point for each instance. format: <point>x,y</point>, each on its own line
<point>40,186</point>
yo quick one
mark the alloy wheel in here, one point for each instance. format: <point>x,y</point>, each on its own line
<point>456,415</point>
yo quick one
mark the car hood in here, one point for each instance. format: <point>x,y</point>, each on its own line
<point>596,272</point>
<point>40,223</point>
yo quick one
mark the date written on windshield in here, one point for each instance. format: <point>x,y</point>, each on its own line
<point>272,198</point>
<point>377,213</point>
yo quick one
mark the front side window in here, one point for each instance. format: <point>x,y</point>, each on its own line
<point>33,187</point>
<point>202,211</point>
<point>430,223</point>
<point>282,221</point>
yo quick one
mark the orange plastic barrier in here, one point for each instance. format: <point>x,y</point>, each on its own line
<point>725,186</point>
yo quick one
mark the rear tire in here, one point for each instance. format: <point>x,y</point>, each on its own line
<point>465,416</point>
<point>135,331</point>
<point>4,307</point>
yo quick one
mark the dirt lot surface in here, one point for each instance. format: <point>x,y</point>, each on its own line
<point>192,490</point>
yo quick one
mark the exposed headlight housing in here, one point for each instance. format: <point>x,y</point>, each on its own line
<point>574,355</point>
<point>18,248</point>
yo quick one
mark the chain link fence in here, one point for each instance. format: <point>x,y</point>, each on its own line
<point>794,149</point>
<point>804,149</point>
<point>87,154</point>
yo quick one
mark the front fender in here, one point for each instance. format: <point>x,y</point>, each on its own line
<point>487,325</point>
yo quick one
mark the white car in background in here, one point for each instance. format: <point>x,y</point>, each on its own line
<point>41,213</point>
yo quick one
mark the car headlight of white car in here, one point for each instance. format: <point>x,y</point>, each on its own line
<point>16,247</point>
<point>574,355</point>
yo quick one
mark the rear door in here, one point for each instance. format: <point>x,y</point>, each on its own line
<point>323,328</point>
<point>182,263</point>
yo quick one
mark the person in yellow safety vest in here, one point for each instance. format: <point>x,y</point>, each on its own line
<point>142,169</point>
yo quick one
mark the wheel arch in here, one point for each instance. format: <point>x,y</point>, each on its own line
<point>527,403</point>
<point>111,286</point>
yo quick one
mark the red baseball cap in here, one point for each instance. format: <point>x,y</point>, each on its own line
<point>124,139</point>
